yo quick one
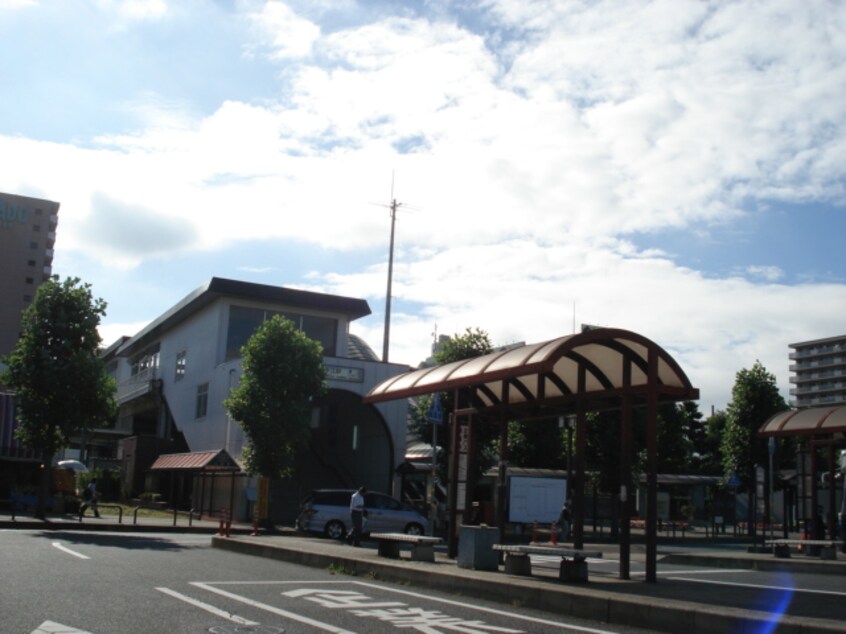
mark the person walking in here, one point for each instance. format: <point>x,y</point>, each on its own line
<point>565,518</point>
<point>357,515</point>
<point>89,499</point>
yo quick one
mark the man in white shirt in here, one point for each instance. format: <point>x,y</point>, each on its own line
<point>357,515</point>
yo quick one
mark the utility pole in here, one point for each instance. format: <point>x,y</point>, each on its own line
<point>386,340</point>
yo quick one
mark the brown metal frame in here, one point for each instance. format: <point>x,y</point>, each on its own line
<point>569,375</point>
<point>826,427</point>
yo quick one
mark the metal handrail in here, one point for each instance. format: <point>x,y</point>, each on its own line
<point>113,506</point>
<point>190,513</point>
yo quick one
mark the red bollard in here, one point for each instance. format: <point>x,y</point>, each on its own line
<point>228,521</point>
<point>553,534</point>
<point>220,529</point>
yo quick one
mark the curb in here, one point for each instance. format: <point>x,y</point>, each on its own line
<point>799,564</point>
<point>545,594</point>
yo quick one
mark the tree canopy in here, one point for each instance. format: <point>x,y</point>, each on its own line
<point>283,372</point>
<point>474,342</point>
<point>755,397</point>
<point>60,384</point>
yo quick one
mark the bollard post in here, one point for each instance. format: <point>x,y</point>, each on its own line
<point>535,531</point>
<point>553,534</point>
<point>220,530</point>
<point>228,521</point>
<point>255,523</point>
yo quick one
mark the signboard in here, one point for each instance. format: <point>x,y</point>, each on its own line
<point>343,373</point>
<point>436,411</point>
<point>532,499</point>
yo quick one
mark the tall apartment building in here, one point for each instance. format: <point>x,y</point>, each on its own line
<point>27,235</point>
<point>818,372</point>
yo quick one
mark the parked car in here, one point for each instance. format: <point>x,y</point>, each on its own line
<point>327,511</point>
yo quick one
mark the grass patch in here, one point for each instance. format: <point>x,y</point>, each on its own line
<point>107,508</point>
<point>337,569</point>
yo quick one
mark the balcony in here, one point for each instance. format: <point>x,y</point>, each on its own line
<point>142,384</point>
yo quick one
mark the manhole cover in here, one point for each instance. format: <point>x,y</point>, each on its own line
<point>245,629</point>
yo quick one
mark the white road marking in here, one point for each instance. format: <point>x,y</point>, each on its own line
<point>273,610</point>
<point>710,571</point>
<point>472,606</point>
<point>69,551</point>
<point>497,611</point>
<point>51,627</point>
<point>208,608</point>
<point>760,587</point>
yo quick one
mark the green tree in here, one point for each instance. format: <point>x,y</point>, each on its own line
<point>537,444</point>
<point>283,372</point>
<point>472,343</point>
<point>61,387</point>
<point>755,397</point>
<point>709,449</point>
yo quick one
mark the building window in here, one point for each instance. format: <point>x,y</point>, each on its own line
<point>29,280</point>
<point>27,298</point>
<point>244,321</point>
<point>30,262</point>
<point>181,361</point>
<point>33,246</point>
<point>36,227</point>
<point>202,400</point>
<point>144,365</point>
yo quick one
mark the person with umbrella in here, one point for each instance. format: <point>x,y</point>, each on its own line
<point>89,499</point>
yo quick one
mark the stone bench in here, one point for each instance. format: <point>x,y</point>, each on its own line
<point>573,560</point>
<point>781,547</point>
<point>422,546</point>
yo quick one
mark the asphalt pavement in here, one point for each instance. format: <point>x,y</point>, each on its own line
<point>667,606</point>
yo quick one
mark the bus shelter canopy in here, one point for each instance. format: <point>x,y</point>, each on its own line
<point>597,369</point>
<point>594,368</point>
<point>812,421</point>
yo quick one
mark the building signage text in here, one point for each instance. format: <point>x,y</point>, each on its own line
<point>11,215</point>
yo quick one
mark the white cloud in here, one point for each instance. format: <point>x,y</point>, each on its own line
<point>17,4</point>
<point>518,291</point>
<point>285,34</point>
<point>532,148</point>
<point>767,273</point>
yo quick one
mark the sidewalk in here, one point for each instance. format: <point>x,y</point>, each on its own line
<point>111,521</point>
<point>663,606</point>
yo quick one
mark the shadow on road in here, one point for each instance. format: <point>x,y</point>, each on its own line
<point>128,542</point>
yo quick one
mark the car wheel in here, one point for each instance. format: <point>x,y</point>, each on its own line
<point>335,530</point>
<point>414,529</point>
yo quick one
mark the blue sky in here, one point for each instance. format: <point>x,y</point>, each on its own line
<point>670,167</point>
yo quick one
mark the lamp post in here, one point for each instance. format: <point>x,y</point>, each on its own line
<point>568,422</point>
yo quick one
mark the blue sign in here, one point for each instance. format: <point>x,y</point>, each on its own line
<point>733,481</point>
<point>436,411</point>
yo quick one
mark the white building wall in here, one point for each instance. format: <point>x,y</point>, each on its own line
<point>203,338</point>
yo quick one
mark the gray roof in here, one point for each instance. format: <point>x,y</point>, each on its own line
<point>219,287</point>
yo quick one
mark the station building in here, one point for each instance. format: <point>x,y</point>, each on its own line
<point>173,434</point>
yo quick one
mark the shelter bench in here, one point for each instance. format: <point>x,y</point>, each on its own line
<point>573,560</point>
<point>781,547</point>
<point>422,546</point>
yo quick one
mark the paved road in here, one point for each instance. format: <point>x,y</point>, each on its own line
<point>98,582</point>
<point>798,594</point>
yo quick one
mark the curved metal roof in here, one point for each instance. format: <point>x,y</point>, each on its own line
<point>813,421</point>
<point>598,364</point>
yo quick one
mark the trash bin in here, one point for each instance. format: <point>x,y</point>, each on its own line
<point>475,547</point>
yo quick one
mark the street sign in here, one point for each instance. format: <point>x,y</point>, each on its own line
<point>436,411</point>
<point>733,481</point>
